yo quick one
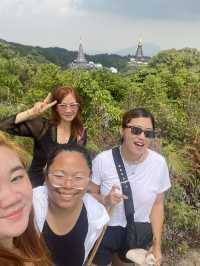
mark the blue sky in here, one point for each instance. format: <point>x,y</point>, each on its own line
<point>103,25</point>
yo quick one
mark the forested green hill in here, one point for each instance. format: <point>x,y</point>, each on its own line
<point>63,57</point>
<point>169,86</point>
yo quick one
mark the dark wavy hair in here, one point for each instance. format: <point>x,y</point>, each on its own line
<point>59,94</point>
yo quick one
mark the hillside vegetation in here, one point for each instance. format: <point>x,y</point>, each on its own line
<point>64,57</point>
<point>169,86</point>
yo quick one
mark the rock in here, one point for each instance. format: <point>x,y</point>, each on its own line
<point>141,257</point>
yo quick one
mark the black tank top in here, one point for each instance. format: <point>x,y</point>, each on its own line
<point>68,250</point>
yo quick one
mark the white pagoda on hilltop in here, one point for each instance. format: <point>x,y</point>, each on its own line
<point>139,58</point>
<point>80,61</point>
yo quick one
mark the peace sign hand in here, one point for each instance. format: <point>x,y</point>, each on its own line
<point>41,107</point>
<point>36,110</point>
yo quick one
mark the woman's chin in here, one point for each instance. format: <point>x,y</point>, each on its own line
<point>16,229</point>
<point>66,201</point>
<point>68,118</point>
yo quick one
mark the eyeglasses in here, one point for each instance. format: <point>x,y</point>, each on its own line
<point>58,179</point>
<point>72,106</point>
<point>149,133</point>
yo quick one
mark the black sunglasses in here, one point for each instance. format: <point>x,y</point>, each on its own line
<point>149,133</point>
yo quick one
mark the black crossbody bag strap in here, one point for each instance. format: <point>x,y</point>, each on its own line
<point>126,189</point>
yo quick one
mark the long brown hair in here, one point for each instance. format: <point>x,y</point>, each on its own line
<point>30,247</point>
<point>58,94</point>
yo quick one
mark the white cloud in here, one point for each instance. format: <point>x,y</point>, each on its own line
<point>34,7</point>
<point>62,23</point>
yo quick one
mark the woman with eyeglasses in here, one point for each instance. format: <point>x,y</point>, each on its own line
<point>20,244</point>
<point>64,126</point>
<point>69,219</point>
<point>147,180</point>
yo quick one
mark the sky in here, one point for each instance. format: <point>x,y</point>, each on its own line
<point>101,25</point>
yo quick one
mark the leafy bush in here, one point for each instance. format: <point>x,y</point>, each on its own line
<point>169,87</point>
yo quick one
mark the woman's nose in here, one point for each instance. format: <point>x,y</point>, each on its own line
<point>68,182</point>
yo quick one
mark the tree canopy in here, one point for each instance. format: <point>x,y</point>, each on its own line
<point>169,86</point>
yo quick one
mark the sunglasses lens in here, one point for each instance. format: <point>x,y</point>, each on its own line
<point>136,130</point>
<point>149,134</point>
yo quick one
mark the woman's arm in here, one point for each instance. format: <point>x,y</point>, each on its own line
<point>157,220</point>
<point>27,123</point>
<point>24,116</point>
<point>95,191</point>
<point>36,110</point>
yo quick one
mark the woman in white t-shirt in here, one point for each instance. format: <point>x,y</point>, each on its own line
<point>148,176</point>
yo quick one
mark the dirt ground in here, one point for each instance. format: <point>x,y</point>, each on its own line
<point>191,258</point>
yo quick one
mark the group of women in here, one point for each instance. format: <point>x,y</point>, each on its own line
<point>59,221</point>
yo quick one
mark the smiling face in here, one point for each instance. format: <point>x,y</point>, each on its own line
<point>136,145</point>
<point>15,195</point>
<point>68,108</point>
<point>67,179</point>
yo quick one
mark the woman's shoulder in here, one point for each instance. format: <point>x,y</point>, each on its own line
<point>40,205</point>
<point>156,157</point>
<point>40,191</point>
<point>104,155</point>
<point>44,127</point>
<point>40,197</point>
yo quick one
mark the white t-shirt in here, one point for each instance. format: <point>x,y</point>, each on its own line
<point>147,179</point>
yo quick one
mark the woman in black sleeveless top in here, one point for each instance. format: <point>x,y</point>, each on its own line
<point>64,126</point>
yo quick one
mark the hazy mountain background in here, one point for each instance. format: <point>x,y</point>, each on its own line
<point>149,49</point>
<point>64,57</point>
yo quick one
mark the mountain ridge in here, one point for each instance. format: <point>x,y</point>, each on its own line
<point>63,57</point>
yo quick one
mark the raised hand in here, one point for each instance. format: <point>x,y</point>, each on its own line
<point>114,197</point>
<point>41,107</point>
<point>36,110</point>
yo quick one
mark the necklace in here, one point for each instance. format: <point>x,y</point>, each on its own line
<point>131,166</point>
<point>134,162</point>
